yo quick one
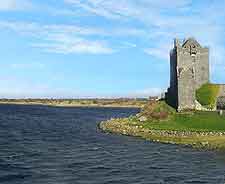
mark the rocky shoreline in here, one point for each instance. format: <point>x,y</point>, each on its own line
<point>200,139</point>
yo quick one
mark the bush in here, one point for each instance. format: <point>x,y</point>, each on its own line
<point>159,115</point>
<point>207,95</point>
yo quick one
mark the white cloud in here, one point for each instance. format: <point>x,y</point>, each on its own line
<point>146,92</point>
<point>166,19</point>
<point>11,5</point>
<point>151,25</point>
<point>36,91</point>
<point>95,7</point>
<point>66,39</point>
<point>38,29</point>
<point>12,87</point>
<point>66,44</point>
<point>76,46</point>
<point>161,21</point>
<point>63,38</point>
<point>141,9</point>
<point>159,52</point>
<point>143,93</point>
<point>128,45</point>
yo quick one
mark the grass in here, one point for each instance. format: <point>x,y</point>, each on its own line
<point>196,121</point>
<point>163,106</point>
<point>207,95</point>
<point>195,124</point>
<point>186,121</point>
<point>156,131</point>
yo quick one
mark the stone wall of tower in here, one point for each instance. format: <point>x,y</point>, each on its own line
<point>172,93</point>
<point>186,80</point>
<point>202,67</point>
<point>173,64</point>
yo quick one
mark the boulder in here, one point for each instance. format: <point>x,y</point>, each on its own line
<point>142,119</point>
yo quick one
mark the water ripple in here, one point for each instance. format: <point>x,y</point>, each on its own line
<point>56,145</point>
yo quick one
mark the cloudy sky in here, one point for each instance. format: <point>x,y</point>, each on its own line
<point>101,48</point>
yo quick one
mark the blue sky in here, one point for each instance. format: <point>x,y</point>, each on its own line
<point>101,48</point>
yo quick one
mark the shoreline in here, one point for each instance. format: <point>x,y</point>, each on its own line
<point>72,105</point>
<point>201,140</point>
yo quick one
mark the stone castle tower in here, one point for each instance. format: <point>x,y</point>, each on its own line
<point>189,70</point>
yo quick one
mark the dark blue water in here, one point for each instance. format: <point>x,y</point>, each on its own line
<point>50,145</point>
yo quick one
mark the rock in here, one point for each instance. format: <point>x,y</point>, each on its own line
<point>138,115</point>
<point>142,119</point>
<point>205,143</point>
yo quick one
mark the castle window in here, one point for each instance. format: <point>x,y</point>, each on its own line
<point>179,71</point>
<point>192,72</point>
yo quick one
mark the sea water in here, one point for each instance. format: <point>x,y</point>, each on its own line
<point>59,145</point>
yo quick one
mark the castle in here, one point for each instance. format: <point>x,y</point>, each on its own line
<point>189,70</point>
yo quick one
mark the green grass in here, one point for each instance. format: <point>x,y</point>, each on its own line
<point>162,106</point>
<point>196,121</point>
<point>186,121</point>
<point>207,95</point>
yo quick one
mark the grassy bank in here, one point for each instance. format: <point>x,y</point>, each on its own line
<point>194,121</point>
<point>197,129</point>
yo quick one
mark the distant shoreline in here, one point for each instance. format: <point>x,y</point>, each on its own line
<point>123,103</point>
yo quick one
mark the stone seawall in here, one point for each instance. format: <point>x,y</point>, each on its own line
<point>208,140</point>
<point>221,103</point>
<point>221,98</point>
